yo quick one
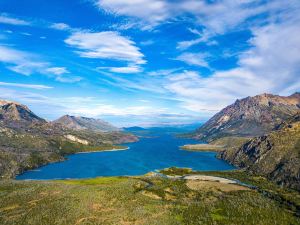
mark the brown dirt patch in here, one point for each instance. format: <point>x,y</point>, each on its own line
<point>150,194</point>
<point>209,185</point>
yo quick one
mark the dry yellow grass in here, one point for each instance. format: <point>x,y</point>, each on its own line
<point>200,185</point>
<point>203,147</point>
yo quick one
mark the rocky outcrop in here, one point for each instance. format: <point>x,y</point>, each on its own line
<point>275,155</point>
<point>250,117</point>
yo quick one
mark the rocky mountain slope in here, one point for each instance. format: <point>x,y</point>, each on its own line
<point>84,123</point>
<point>15,113</point>
<point>276,155</point>
<point>28,141</point>
<point>250,117</point>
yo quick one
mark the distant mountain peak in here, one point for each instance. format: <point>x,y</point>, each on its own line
<point>14,112</point>
<point>85,123</point>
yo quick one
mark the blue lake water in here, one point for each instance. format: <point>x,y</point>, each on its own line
<point>147,155</point>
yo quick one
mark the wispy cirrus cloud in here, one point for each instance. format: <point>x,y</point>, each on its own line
<point>152,12</point>
<point>125,69</point>
<point>6,19</point>
<point>195,59</point>
<point>30,86</point>
<point>271,65</point>
<point>13,20</point>
<point>27,64</point>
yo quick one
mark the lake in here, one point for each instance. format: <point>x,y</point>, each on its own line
<point>149,154</point>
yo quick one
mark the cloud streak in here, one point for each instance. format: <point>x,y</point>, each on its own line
<point>27,64</point>
<point>30,86</point>
<point>5,19</point>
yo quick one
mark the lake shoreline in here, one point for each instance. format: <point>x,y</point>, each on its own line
<point>160,152</point>
<point>202,148</point>
<point>106,150</point>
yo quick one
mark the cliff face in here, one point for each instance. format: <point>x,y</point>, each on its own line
<point>276,155</point>
<point>84,123</point>
<point>250,117</point>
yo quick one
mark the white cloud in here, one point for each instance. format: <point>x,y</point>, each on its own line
<point>60,26</point>
<point>106,45</point>
<point>62,74</point>
<point>30,86</point>
<point>20,61</point>
<point>271,65</point>
<point>27,64</point>
<point>203,38</point>
<point>68,78</point>
<point>128,69</point>
<point>57,70</point>
<point>27,68</point>
<point>152,12</point>
<point>217,16</point>
<point>164,72</point>
<point>4,18</point>
<point>196,59</point>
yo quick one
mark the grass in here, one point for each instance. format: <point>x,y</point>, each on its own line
<point>142,200</point>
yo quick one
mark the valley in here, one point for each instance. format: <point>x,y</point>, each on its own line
<point>160,177</point>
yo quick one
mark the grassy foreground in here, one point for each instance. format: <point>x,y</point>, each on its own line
<point>146,200</point>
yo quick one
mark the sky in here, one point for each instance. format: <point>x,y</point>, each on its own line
<point>146,63</point>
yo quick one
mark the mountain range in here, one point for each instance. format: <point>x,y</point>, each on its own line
<point>250,117</point>
<point>84,123</point>
<point>28,141</point>
<point>261,135</point>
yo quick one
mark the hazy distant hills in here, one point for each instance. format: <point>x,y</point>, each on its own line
<point>84,123</point>
<point>251,116</point>
<point>28,141</point>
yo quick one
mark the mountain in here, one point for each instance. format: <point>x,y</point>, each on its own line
<point>84,123</point>
<point>12,112</point>
<point>28,141</point>
<point>250,117</point>
<point>275,155</point>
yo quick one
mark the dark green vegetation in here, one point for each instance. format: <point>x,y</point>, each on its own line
<point>28,141</point>
<point>146,200</point>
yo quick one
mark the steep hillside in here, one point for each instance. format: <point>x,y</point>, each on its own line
<point>28,141</point>
<point>15,113</point>
<point>84,123</point>
<point>276,155</point>
<point>250,117</point>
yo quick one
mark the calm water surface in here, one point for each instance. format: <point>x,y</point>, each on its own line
<point>144,156</point>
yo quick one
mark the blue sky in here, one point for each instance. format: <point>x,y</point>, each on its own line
<point>146,62</point>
